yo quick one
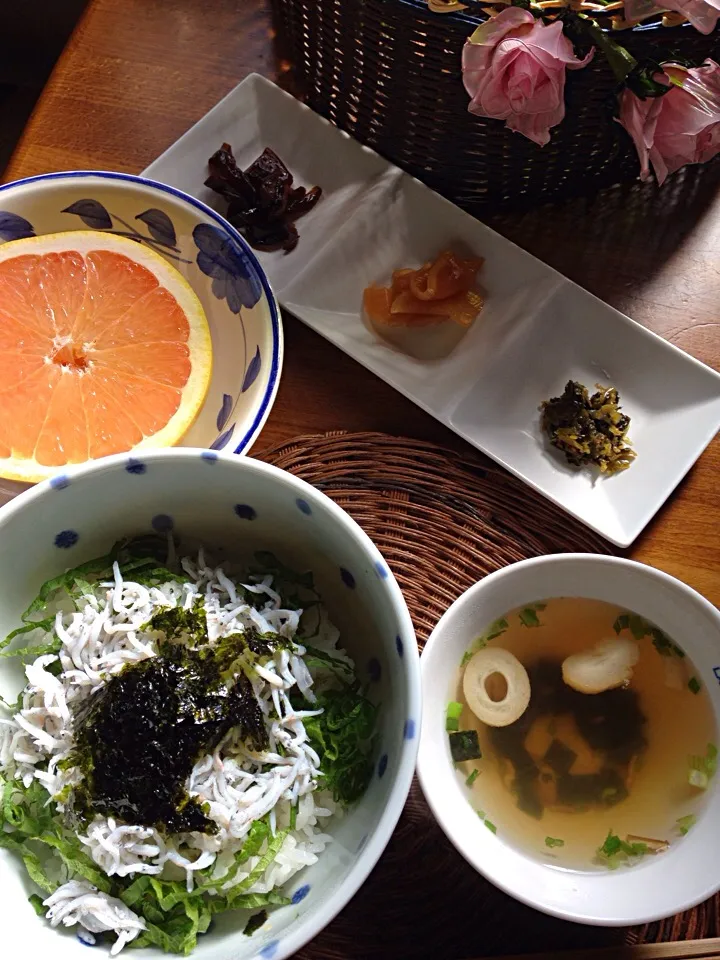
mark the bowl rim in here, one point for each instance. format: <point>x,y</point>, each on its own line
<point>428,745</point>
<point>278,340</point>
<point>285,945</point>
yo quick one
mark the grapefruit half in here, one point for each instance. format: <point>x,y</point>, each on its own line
<point>104,348</point>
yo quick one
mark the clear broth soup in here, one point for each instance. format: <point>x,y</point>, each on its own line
<point>578,768</point>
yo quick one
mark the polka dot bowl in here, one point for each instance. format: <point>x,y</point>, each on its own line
<point>235,506</point>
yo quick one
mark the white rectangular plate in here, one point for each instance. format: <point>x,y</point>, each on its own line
<point>537,330</point>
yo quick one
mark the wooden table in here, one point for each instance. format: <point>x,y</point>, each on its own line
<point>137,74</point>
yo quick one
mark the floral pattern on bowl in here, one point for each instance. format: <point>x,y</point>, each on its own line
<point>240,306</point>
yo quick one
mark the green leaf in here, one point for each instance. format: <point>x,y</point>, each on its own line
<point>529,618</point>
<point>273,848</point>
<point>343,736</point>
<point>554,842</point>
<point>36,872</point>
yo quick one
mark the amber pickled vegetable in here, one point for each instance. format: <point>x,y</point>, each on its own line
<point>441,290</point>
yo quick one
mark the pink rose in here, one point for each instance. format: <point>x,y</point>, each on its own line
<point>683,126</point>
<point>514,70</point>
<point>702,14</point>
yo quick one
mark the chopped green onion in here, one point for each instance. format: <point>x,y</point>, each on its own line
<point>466,658</point>
<point>528,618</point>
<point>472,777</point>
<point>491,826</point>
<point>464,745</point>
<point>694,685</point>
<point>496,629</point>
<point>293,816</point>
<point>554,842</point>
<point>696,778</point>
<point>452,715</point>
<point>640,628</point>
<point>703,769</point>
<point>615,851</point>
<point>685,824</point>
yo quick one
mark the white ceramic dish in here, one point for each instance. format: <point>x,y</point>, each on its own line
<point>537,331</point>
<point>240,306</point>
<point>57,525</point>
<point>660,886</point>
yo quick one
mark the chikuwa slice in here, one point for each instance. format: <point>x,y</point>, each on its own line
<point>607,665</point>
<point>494,670</point>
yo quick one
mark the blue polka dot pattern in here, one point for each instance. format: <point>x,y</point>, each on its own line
<point>86,938</point>
<point>245,511</point>
<point>409,730</point>
<point>60,483</point>
<point>269,950</point>
<point>382,570</point>
<point>209,456</point>
<point>162,523</point>
<point>136,467</point>
<point>66,539</point>
<point>399,645</point>
<point>374,669</point>
<point>347,578</point>
<point>382,765</point>
<point>303,506</point>
<point>301,893</point>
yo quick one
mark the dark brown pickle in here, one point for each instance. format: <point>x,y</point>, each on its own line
<point>262,201</point>
<point>142,733</point>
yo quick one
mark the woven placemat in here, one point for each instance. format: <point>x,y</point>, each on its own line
<point>443,520</point>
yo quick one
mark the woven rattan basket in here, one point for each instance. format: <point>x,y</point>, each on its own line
<point>388,72</point>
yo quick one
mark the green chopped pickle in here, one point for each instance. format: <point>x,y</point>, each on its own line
<point>472,777</point>
<point>554,842</point>
<point>452,715</point>
<point>685,824</point>
<point>464,745</point>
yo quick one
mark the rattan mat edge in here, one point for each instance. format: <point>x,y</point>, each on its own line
<point>443,520</point>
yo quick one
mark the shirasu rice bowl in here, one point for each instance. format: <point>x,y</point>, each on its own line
<point>235,730</point>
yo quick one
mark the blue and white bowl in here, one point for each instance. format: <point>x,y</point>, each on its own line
<point>242,312</point>
<point>236,505</point>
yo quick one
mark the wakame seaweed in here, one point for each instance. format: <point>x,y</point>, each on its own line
<point>464,745</point>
